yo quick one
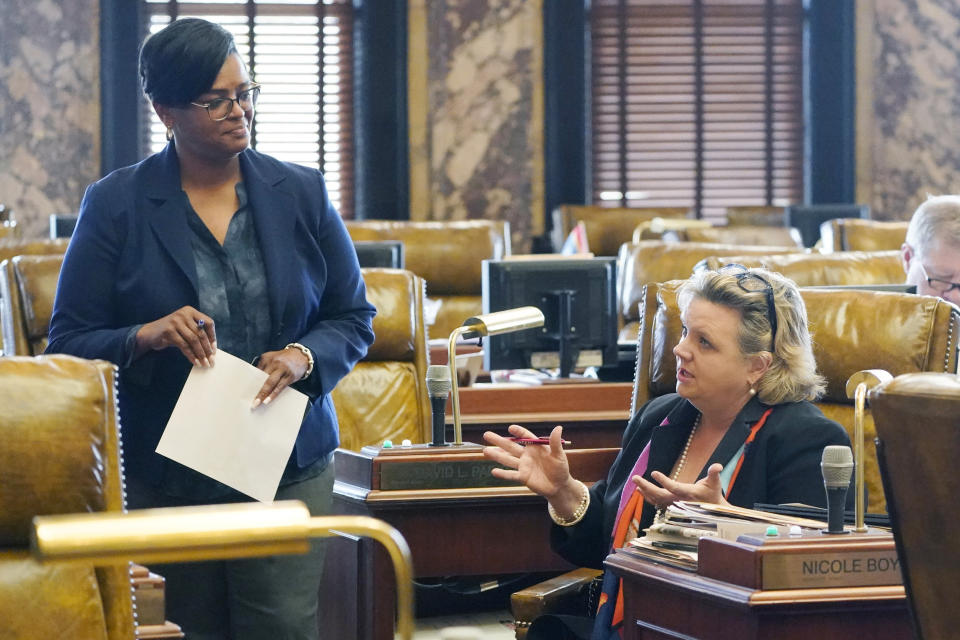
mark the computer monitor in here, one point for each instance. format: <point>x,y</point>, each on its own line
<point>62,224</point>
<point>899,287</point>
<point>577,297</point>
<point>386,254</point>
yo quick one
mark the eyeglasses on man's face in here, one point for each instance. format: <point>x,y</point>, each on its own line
<point>220,108</point>
<point>938,285</point>
<point>751,282</point>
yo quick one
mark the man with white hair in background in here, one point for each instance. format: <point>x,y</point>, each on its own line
<point>931,253</point>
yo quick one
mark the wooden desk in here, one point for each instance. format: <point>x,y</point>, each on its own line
<point>662,602</point>
<point>471,531</point>
<point>593,415</point>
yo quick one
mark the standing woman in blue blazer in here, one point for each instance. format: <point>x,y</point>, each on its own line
<point>210,245</point>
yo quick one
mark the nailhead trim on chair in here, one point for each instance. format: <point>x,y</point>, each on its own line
<point>954,316</point>
<point>123,481</point>
<point>636,360</point>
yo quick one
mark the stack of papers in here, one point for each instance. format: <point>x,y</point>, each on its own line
<point>675,539</point>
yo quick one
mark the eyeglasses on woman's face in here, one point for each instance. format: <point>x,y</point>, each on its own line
<point>938,285</point>
<point>751,282</point>
<point>220,108</point>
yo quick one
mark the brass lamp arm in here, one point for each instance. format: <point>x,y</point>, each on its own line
<point>213,532</point>
<point>857,386</point>
<point>395,544</point>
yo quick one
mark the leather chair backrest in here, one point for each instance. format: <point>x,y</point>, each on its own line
<point>28,285</point>
<point>10,248</point>
<point>824,269</point>
<point>448,255</point>
<point>385,396</point>
<point>755,215</point>
<point>10,230</point>
<point>808,217</point>
<point>918,444</point>
<point>649,261</point>
<point>747,234</point>
<point>60,454</point>
<point>607,227</point>
<point>855,234</point>
<point>852,331</point>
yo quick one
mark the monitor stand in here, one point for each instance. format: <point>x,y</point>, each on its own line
<point>562,301</point>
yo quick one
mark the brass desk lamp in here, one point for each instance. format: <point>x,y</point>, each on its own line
<point>487,324</point>
<point>213,532</point>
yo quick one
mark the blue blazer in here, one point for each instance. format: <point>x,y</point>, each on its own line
<point>130,262</point>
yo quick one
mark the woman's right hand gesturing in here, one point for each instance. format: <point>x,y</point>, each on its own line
<point>187,329</point>
<point>542,468</point>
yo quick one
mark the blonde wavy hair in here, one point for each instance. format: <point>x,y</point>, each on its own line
<point>792,375</point>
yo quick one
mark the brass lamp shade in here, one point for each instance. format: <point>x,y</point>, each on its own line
<point>213,532</point>
<point>492,324</point>
<point>487,324</point>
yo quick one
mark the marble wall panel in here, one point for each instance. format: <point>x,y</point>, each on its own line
<point>49,107</point>
<point>476,112</point>
<point>909,136</point>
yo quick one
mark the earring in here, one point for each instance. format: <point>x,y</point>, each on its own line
<point>753,391</point>
<point>169,134</point>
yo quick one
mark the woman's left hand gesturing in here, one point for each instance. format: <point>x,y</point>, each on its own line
<point>704,490</point>
<point>284,367</point>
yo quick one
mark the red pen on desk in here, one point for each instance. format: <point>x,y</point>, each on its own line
<point>535,441</point>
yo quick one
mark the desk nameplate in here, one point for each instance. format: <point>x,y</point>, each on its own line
<point>446,473</point>
<point>814,562</point>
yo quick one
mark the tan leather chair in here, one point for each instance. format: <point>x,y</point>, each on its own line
<point>607,227</point>
<point>60,454</point>
<point>824,269</point>
<point>659,261</point>
<point>918,447</point>
<point>755,216</point>
<point>448,256</point>
<point>11,248</point>
<point>852,330</point>
<point>746,234</point>
<point>28,285</point>
<point>385,396</point>
<point>661,228</point>
<point>10,230</point>
<point>856,234</point>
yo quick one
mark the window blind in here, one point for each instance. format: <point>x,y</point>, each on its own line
<point>301,51</point>
<point>697,103</point>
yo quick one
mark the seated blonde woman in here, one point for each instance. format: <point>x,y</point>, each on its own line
<point>740,429</point>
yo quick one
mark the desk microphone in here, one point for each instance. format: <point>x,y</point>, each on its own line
<point>438,387</point>
<point>837,468</point>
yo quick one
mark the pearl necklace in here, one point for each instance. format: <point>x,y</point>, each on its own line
<point>658,517</point>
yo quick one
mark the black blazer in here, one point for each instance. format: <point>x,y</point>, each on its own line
<point>130,262</point>
<point>781,465</point>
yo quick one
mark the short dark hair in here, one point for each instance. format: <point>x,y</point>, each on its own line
<point>181,61</point>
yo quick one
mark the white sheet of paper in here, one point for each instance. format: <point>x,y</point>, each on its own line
<point>212,429</point>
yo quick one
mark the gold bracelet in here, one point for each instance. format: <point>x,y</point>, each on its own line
<point>578,513</point>
<point>305,351</point>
